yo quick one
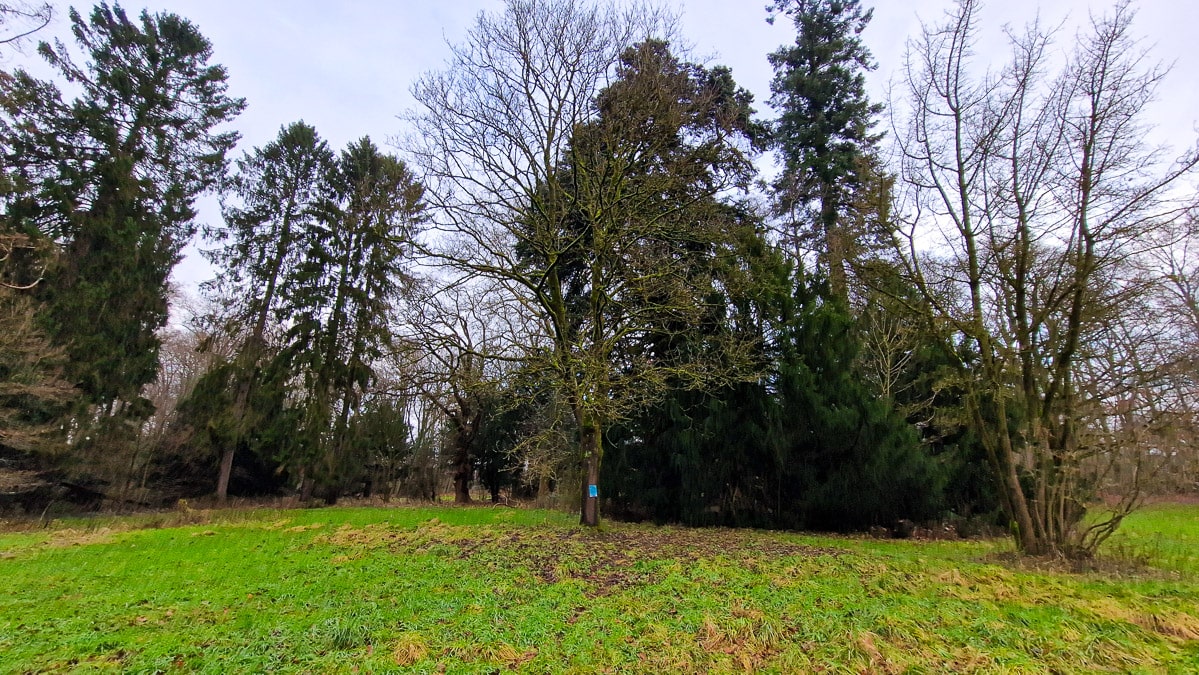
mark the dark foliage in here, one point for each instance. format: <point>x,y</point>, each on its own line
<point>807,446</point>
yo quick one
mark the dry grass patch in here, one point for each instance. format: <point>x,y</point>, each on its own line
<point>70,537</point>
<point>409,648</point>
<point>1174,625</point>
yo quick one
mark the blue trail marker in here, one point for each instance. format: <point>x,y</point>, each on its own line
<point>592,491</point>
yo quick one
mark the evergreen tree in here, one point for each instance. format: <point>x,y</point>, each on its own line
<point>851,460</point>
<point>34,397</point>
<point>807,446</point>
<point>276,191</point>
<point>381,441</point>
<point>351,277</point>
<point>689,457</point>
<point>909,360</point>
<point>823,133</point>
<point>111,177</point>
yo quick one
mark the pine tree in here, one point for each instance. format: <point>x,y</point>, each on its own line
<point>111,178</point>
<point>276,191</point>
<point>823,133</point>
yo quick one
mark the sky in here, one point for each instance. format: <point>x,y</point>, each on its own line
<point>346,67</point>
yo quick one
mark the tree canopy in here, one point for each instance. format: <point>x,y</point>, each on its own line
<point>574,279</point>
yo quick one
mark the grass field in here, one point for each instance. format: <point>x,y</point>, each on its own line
<point>479,590</point>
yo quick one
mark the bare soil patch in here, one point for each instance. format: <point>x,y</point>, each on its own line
<point>607,559</point>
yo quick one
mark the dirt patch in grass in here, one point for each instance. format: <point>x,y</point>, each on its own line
<point>608,559</point>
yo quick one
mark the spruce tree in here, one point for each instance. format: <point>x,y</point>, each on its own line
<point>823,133</point>
<point>273,211</point>
<point>352,277</point>
<point>111,177</point>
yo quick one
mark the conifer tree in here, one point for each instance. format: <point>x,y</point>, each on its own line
<point>273,214</point>
<point>111,177</point>
<point>823,133</point>
<point>353,274</point>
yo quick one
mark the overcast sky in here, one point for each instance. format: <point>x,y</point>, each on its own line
<point>346,67</point>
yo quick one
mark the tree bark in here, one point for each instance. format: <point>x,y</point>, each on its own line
<point>306,487</point>
<point>1027,537</point>
<point>589,442</point>
<point>222,482</point>
<point>462,476</point>
<point>834,243</point>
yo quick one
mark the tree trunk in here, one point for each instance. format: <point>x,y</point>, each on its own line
<point>254,347</point>
<point>1027,536</point>
<point>461,440</point>
<point>240,411</point>
<point>222,481</point>
<point>306,487</point>
<point>462,476</point>
<point>1015,502</point>
<point>834,243</point>
<point>332,493</point>
<point>589,442</point>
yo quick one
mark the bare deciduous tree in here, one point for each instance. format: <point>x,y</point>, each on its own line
<point>458,337</point>
<point>19,20</point>
<point>1028,194</point>
<point>575,207</point>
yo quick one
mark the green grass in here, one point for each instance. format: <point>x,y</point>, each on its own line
<point>496,590</point>
<point>1163,535</point>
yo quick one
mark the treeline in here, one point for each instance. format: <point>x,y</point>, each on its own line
<point>571,282</point>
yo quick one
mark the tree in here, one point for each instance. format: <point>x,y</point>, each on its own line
<point>823,133</point>
<point>111,178</point>
<point>580,201</point>
<point>33,394</point>
<point>1163,412</point>
<point>168,460</point>
<point>19,20</point>
<point>458,337</point>
<point>643,180</point>
<point>351,277</point>
<point>382,439</point>
<point>276,190</point>
<point>918,365</point>
<point>807,445</point>
<point>1027,196</point>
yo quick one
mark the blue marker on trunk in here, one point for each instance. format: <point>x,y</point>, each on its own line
<point>592,491</point>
